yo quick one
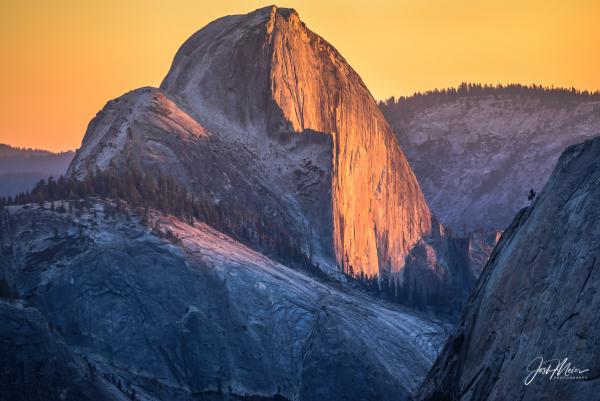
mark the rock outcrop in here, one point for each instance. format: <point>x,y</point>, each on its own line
<point>442,269</point>
<point>198,317</point>
<point>145,130</point>
<point>477,155</point>
<point>537,301</point>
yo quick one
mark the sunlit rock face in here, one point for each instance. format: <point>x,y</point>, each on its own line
<point>258,112</point>
<point>266,74</point>
<point>538,297</point>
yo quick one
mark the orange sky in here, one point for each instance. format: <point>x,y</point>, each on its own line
<point>63,60</point>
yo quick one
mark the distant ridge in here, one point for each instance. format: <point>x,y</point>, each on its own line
<point>477,150</point>
<point>476,89</point>
<point>7,150</point>
<point>22,168</point>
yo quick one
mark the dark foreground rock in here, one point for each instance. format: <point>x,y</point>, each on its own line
<point>36,364</point>
<point>198,317</point>
<point>538,297</point>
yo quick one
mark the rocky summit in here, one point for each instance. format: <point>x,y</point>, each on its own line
<point>259,114</point>
<point>258,109</point>
<point>536,304</point>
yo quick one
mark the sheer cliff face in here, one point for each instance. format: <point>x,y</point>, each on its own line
<point>538,297</point>
<point>265,75</point>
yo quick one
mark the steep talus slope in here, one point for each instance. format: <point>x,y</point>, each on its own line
<point>204,317</point>
<point>477,156</point>
<point>265,75</point>
<point>537,297</point>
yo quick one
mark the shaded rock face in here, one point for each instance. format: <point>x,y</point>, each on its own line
<point>441,269</point>
<point>305,131</point>
<point>145,129</point>
<point>537,298</point>
<point>477,156</point>
<point>204,319</point>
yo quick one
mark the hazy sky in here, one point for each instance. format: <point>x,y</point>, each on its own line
<point>63,60</point>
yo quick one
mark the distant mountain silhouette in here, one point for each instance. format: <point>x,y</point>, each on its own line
<point>21,169</point>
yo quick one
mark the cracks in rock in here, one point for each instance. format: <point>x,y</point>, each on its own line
<point>471,382</point>
<point>295,92</point>
<point>587,277</point>
<point>308,345</point>
<point>571,316</point>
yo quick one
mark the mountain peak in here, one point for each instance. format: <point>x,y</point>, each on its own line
<point>227,68</point>
<point>264,75</point>
<point>290,115</point>
<point>289,16</point>
<point>273,10</point>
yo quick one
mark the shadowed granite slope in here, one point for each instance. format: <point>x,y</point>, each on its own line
<point>537,297</point>
<point>207,318</point>
<point>146,130</point>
